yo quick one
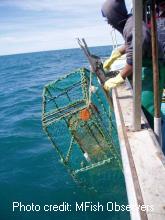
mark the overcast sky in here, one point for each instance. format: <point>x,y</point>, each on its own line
<point>37,25</point>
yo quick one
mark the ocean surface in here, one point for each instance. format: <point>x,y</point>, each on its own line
<point>30,170</point>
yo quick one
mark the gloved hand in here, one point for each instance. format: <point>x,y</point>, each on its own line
<point>108,62</point>
<point>113,82</point>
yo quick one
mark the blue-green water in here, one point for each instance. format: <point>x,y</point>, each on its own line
<point>30,171</point>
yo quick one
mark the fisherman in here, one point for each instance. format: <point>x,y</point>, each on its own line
<point>117,16</point>
<point>161,36</point>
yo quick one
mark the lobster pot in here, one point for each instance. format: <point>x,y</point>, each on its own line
<point>80,124</point>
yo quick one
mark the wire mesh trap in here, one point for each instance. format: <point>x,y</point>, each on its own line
<point>80,125</point>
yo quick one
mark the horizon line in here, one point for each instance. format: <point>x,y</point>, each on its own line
<point>28,52</point>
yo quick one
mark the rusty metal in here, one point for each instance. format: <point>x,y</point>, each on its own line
<point>154,40</point>
<point>155,61</point>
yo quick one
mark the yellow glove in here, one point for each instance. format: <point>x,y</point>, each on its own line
<point>113,82</point>
<point>108,62</point>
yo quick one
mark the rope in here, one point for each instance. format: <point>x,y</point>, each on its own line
<point>114,39</point>
<point>90,89</point>
<point>111,34</point>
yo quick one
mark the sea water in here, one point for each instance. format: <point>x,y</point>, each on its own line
<point>33,182</point>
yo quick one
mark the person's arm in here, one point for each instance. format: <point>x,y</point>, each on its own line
<point>114,56</point>
<point>126,71</point>
<point>116,81</point>
<point>122,49</point>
